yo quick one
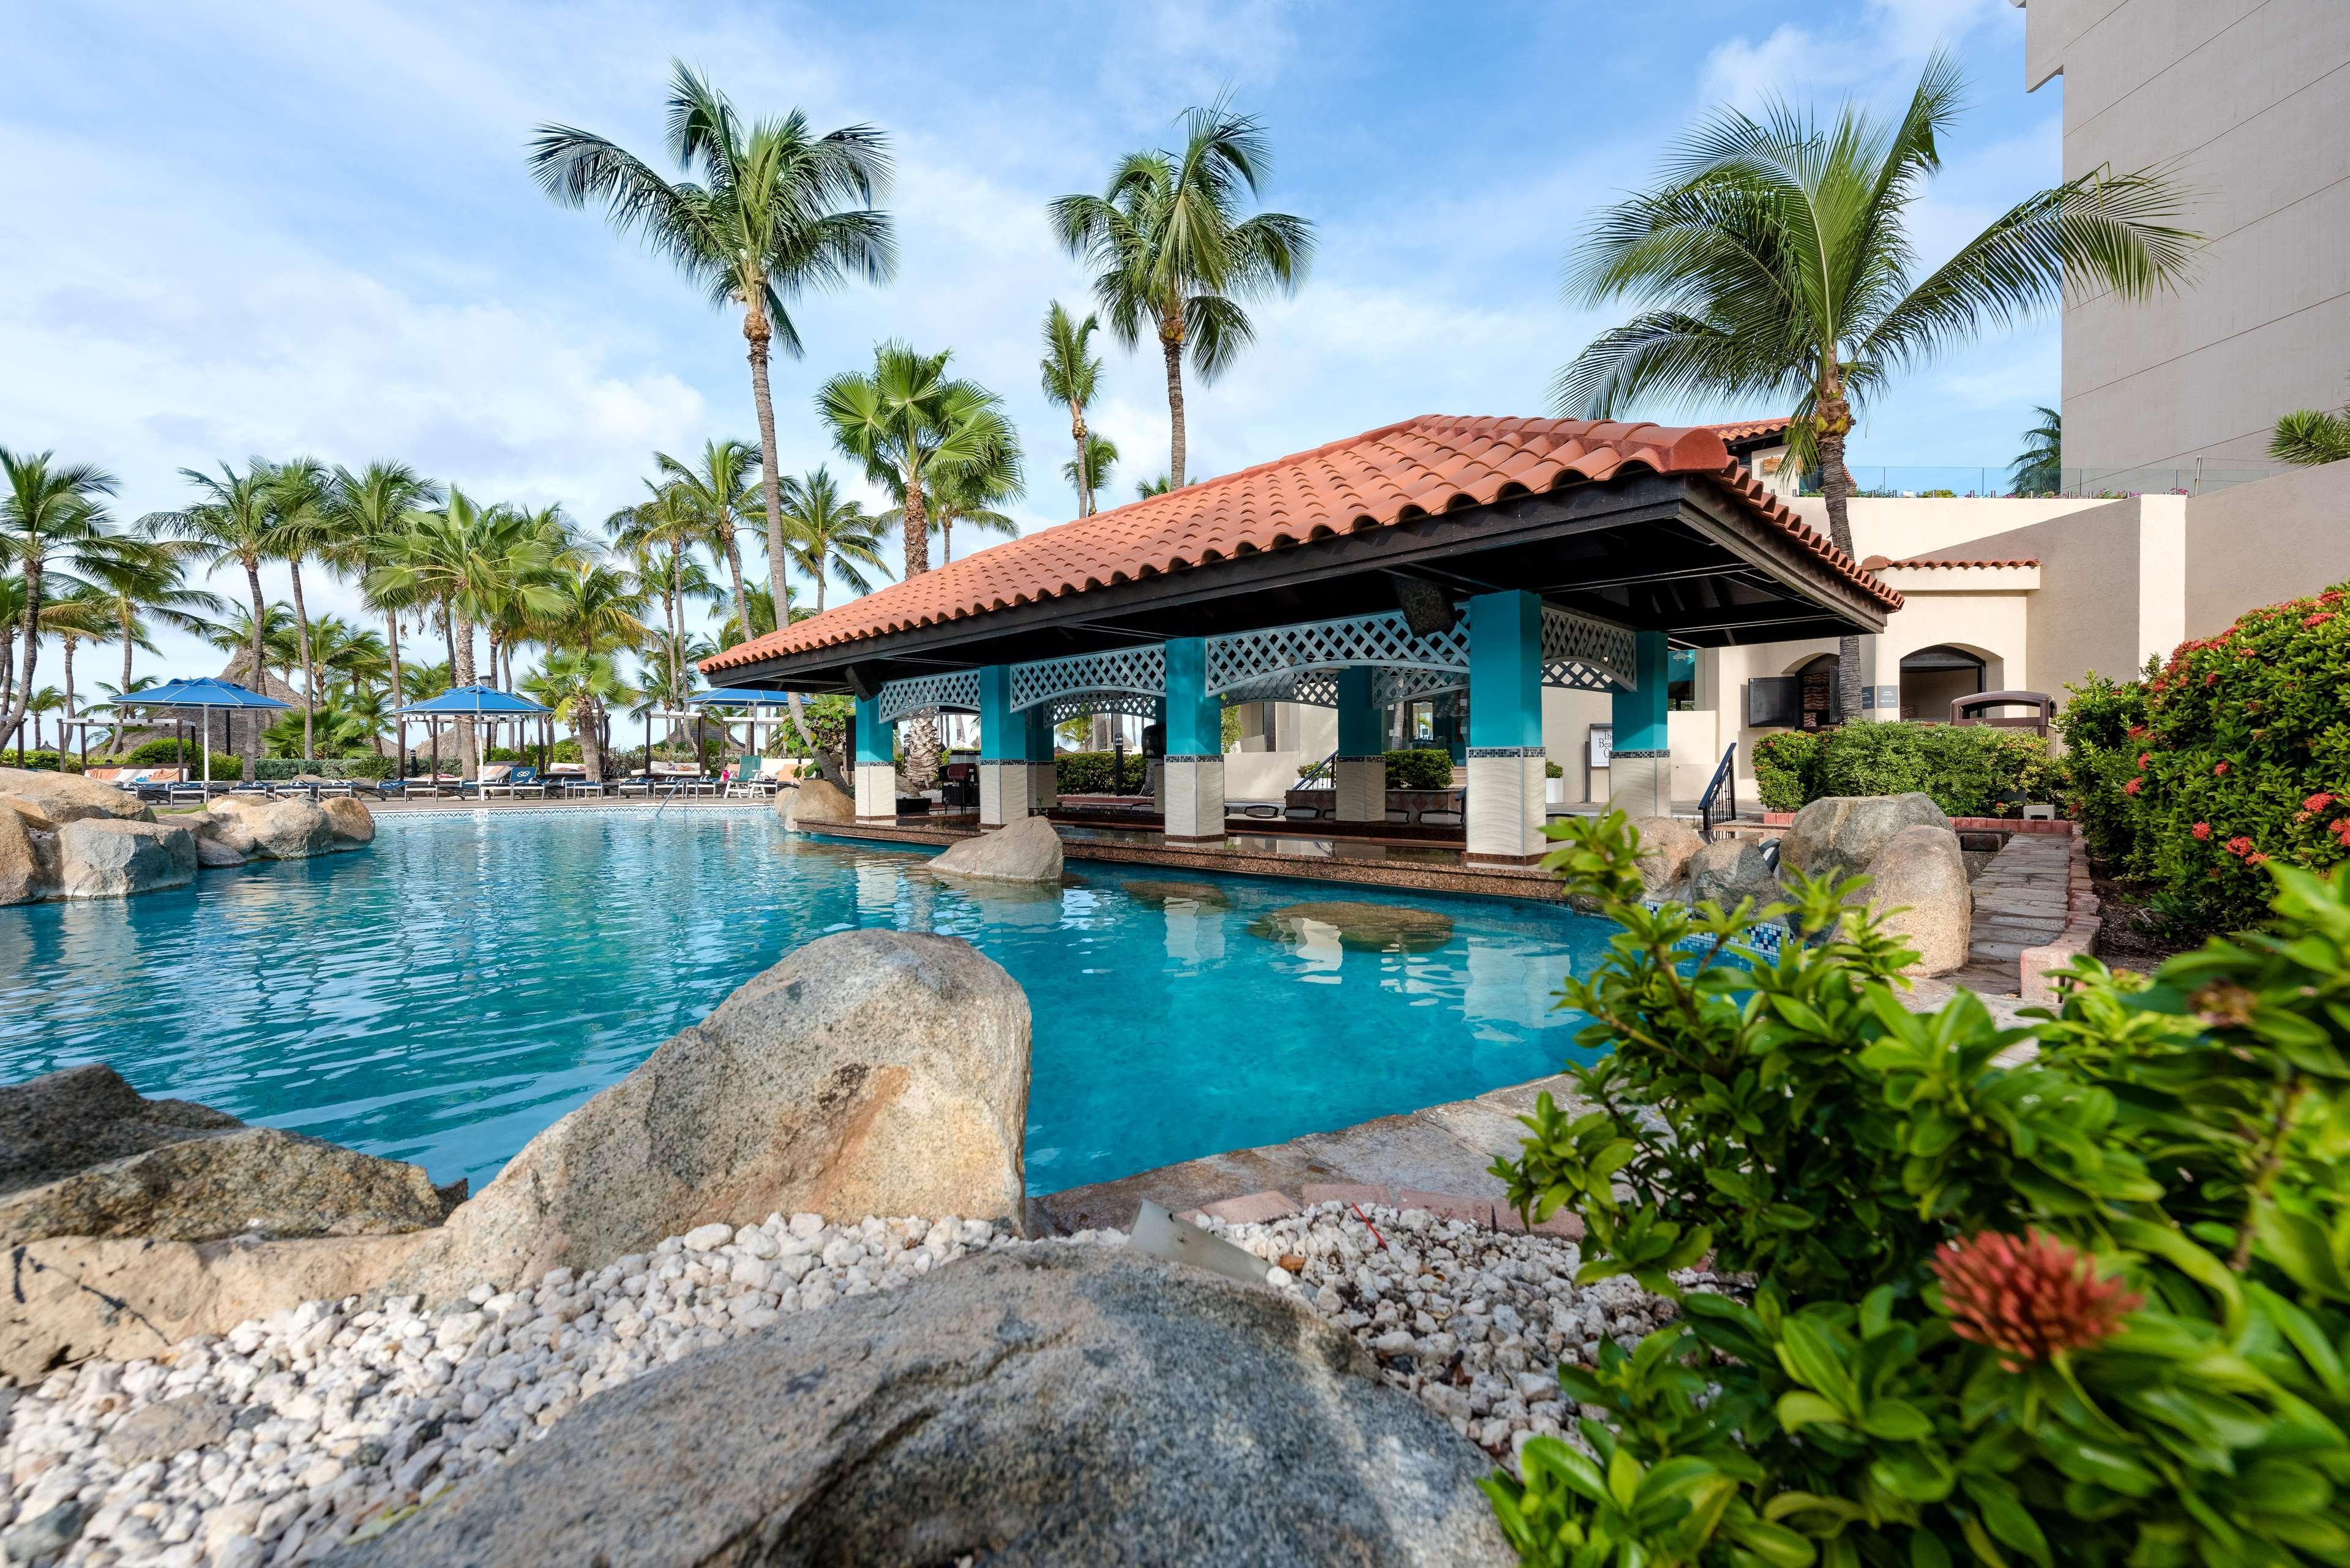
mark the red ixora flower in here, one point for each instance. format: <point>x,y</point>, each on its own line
<point>2202,830</point>
<point>2318,801</point>
<point>2340,828</point>
<point>2320,618</point>
<point>2240,846</point>
<point>2137,732</point>
<point>2133,786</point>
<point>2256,859</point>
<point>2031,1297</point>
<point>2143,758</point>
<point>2218,770</point>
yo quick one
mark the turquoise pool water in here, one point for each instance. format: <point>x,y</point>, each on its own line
<point>447,995</point>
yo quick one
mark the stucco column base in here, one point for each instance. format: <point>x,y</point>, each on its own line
<point>1505,805</point>
<point>876,792</point>
<point>1640,783</point>
<point>1003,793</point>
<point>1044,787</point>
<point>1195,800</point>
<point>1361,787</point>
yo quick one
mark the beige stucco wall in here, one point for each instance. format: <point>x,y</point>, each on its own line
<point>2248,101</point>
<point>2283,538</point>
<point>1900,527</point>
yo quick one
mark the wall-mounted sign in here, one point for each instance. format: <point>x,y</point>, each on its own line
<point>1603,744</point>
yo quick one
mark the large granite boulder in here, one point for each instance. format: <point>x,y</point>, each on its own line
<point>1730,870</point>
<point>1027,851</point>
<point>869,1072</point>
<point>281,829</point>
<point>1918,881</point>
<point>74,1297</point>
<point>69,797</point>
<point>1077,1404</point>
<point>83,1154</point>
<point>1666,845</point>
<point>28,869</point>
<point>116,858</point>
<point>349,819</point>
<point>815,801</point>
<point>1842,834</point>
<point>221,837</point>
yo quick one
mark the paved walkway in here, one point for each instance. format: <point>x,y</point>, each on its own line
<point>2020,902</point>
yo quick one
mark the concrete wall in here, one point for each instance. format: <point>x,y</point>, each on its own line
<point>2247,101</point>
<point>2283,538</point>
<point>1899,527</point>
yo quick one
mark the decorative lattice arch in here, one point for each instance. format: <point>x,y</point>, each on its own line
<point>1309,688</point>
<point>1382,640</point>
<point>1086,704</point>
<point>1138,671</point>
<point>1393,686</point>
<point>953,689</point>
<point>1586,654</point>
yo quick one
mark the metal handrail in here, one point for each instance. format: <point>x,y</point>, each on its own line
<point>1724,777</point>
<point>1320,773</point>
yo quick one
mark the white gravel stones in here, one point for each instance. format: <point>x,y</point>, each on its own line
<point>342,1417</point>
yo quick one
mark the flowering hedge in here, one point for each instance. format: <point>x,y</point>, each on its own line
<point>2233,754</point>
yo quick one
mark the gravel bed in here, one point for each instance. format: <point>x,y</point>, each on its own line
<point>288,1437</point>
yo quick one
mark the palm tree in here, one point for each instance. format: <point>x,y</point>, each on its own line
<point>147,577</point>
<point>1089,470</point>
<point>83,613</point>
<point>582,689</point>
<point>910,423</point>
<point>372,509</point>
<point>660,533</point>
<point>1071,374</point>
<point>826,534</point>
<point>1174,255</point>
<point>777,210</point>
<point>717,485</point>
<point>299,493</point>
<point>1144,489</point>
<point>52,518</point>
<point>234,521</point>
<point>2308,437</point>
<point>2039,468</point>
<point>1777,264</point>
<point>478,565</point>
<point>969,494</point>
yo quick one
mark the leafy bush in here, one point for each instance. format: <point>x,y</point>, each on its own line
<point>2087,1307</point>
<point>277,769</point>
<point>1969,770</point>
<point>2232,754</point>
<point>1090,773</point>
<point>171,753</point>
<point>1785,764</point>
<point>1422,768</point>
<point>41,761</point>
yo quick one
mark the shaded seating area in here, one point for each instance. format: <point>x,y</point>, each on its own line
<point>1477,561</point>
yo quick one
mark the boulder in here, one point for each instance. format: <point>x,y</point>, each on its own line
<point>28,869</point>
<point>69,797</point>
<point>871,1071</point>
<point>815,801</point>
<point>1729,870</point>
<point>1918,880</point>
<point>1056,1405</point>
<point>75,1297</point>
<point>83,1154</point>
<point>1665,845</point>
<point>221,837</point>
<point>115,857</point>
<point>219,1183</point>
<point>172,1428</point>
<point>1027,851</point>
<point>288,829</point>
<point>350,820</point>
<point>1842,834</point>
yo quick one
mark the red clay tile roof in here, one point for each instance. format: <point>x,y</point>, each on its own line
<point>1878,563</point>
<point>1746,429</point>
<point>1414,469</point>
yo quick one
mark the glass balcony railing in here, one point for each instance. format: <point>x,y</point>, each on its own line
<point>1929,480</point>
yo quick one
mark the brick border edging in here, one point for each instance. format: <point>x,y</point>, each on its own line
<point>1261,1208</point>
<point>2082,912</point>
<point>2036,824</point>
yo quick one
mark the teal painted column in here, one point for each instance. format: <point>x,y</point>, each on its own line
<point>1358,720</point>
<point>876,742</point>
<point>1040,731</point>
<point>1640,714</point>
<point>1195,721</point>
<point>1003,734</point>
<point>1504,672</point>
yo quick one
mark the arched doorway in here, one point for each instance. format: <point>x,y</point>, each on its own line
<point>1933,677</point>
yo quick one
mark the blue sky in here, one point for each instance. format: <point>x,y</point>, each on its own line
<point>295,228</point>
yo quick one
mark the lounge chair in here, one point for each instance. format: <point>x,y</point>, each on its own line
<point>512,782</point>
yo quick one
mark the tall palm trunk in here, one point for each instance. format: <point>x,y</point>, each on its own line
<point>741,600</point>
<point>399,699</point>
<point>756,333</point>
<point>460,673</point>
<point>586,722</point>
<point>1170,344</point>
<point>310,669</point>
<point>69,686</point>
<point>1084,470</point>
<point>1835,421</point>
<point>921,730</point>
<point>20,701</point>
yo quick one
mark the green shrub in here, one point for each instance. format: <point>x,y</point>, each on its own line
<point>171,754</point>
<point>1090,773</point>
<point>368,766</point>
<point>41,761</point>
<point>2232,754</point>
<point>2086,1307</point>
<point>1422,768</point>
<point>1785,764</point>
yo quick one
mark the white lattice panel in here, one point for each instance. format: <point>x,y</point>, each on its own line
<point>1569,639</point>
<point>1390,686</point>
<point>1379,641</point>
<point>1309,688</point>
<point>1141,668</point>
<point>956,689</point>
<point>1086,704</point>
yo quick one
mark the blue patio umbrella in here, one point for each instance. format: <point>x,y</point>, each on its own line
<point>203,694</point>
<point>484,702</point>
<point>744,697</point>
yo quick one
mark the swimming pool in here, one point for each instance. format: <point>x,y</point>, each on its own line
<point>446,995</point>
